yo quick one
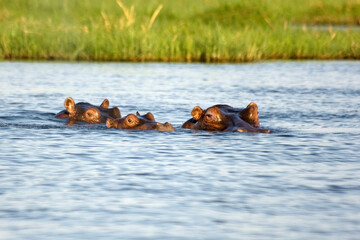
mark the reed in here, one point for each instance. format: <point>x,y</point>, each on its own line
<point>184,30</point>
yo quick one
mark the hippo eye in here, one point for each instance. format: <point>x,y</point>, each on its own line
<point>92,113</point>
<point>208,115</point>
<point>129,120</point>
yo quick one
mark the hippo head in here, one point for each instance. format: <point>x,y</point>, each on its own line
<point>138,122</point>
<point>251,115</point>
<point>86,112</point>
<point>225,118</point>
<point>130,121</point>
<point>211,119</point>
<point>164,127</point>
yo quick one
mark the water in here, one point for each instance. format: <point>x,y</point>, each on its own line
<point>89,182</point>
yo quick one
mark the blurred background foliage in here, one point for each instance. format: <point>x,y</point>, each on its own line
<point>181,30</point>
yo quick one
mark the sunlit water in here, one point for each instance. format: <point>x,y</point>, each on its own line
<point>85,181</point>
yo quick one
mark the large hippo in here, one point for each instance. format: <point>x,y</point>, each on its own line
<point>138,122</point>
<point>250,114</point>
<point>86,112</point>
<point>225,118</point>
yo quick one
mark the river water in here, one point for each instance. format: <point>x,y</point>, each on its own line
<point>86,181</point>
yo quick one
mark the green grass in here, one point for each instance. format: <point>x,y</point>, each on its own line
<point>181,30</point>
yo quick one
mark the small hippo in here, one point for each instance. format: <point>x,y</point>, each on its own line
<point>86,112</point>
<point>225,118</point>
<point>138,122</point>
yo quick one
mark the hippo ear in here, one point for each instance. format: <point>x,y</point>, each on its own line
<point>137,114</point>
<point>111,123</point>
<point>252,104</point>
<point>70,105</point>
<point>149,116</point>
<point>105,103</point>
<point>197,113</point>
<point>115,112</point>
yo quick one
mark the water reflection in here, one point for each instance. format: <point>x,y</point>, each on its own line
<point>87,181</point>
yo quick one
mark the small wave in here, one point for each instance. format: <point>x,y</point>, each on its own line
<point>31,126</point>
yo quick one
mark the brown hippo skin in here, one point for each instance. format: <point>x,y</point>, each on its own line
<point>138,122</point>
<point>86,112</point>
<point>225,118</point>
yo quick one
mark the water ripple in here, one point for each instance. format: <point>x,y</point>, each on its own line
<point>89,182</point>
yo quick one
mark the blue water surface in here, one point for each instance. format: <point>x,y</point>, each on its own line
<point>86,181</point>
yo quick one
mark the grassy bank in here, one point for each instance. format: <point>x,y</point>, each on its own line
<point>181,30</point>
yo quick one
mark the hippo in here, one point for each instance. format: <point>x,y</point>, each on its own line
<point>248,114</point>
<point>138,122</point>
<point>86,112</point>
<point>225,118</point>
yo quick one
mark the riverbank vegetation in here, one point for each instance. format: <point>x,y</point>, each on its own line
<point>182,30</point>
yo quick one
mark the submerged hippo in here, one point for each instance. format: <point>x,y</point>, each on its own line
<point>86,112</point>
<point>249,114</point>
<point>225,118</point>
<point>138,122</point>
